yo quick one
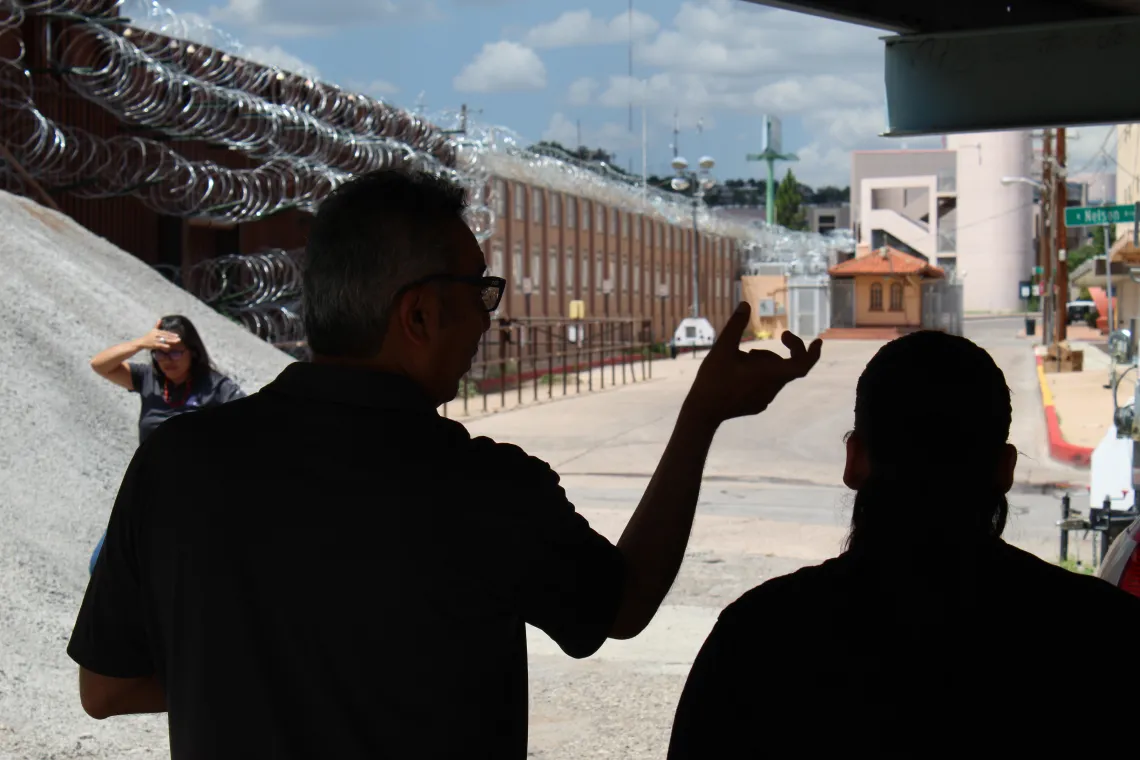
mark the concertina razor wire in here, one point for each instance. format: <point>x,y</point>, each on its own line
<point>184,78</point>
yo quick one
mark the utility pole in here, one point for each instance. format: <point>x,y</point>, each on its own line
<point>1061,292</point>
<point>1045,286</point>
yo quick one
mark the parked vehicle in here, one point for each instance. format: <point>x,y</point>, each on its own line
<point>1078,311</point>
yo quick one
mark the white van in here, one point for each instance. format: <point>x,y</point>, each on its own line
<point>694,332</point>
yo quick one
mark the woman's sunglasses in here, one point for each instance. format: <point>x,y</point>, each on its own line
<point>172,355</point>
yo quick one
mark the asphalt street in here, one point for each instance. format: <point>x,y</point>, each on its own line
<point>772,501</point>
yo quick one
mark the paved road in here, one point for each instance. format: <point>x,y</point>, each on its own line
<point>798,439</point>
<point>772,502</point>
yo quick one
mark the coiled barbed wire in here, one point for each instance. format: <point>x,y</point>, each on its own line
<point>311,135</point>
<point>262,291</point>
<point>303,157</point>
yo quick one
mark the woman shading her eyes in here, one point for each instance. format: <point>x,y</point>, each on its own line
<point>179,377</point>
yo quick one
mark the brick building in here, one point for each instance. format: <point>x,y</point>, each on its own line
<point>622,255</point>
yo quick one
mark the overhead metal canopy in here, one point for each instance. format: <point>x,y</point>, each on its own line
<point>999,64</point>
<point>915,17</point>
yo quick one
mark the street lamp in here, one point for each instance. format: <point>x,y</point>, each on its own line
<point>1023,181</point>
<point>697,183</point>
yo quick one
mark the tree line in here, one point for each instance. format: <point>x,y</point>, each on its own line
<point>791,195</point>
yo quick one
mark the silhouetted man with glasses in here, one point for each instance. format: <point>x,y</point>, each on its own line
<point>348,574</point>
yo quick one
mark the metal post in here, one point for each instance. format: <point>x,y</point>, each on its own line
<point>1108,281</point>
<point>696,254</point>
<point>1061,292</point>
<point>578,358</point>
<point>1048,216</point>
<point>1136,225</point>
<point>1107,529</point>
<point>1108,277</point>
<point>1065,510</point>
<point>770,191</point>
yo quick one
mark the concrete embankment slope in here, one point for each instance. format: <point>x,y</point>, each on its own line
<point>66,437</point>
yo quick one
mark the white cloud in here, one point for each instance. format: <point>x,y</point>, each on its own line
<point>377,88</point>
<point>581,28</point>
<point>274,55</point>
<point>581,91</point>
<point>718,56</point>
<point>305,18</point>
<point>502,66</point>
<point>610,136</point>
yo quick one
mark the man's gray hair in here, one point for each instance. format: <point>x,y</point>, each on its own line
<point>372,237</point>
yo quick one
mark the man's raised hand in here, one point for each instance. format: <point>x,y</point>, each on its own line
<point>732,383</point>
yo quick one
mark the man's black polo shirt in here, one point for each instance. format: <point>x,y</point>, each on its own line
<point>329,569</point>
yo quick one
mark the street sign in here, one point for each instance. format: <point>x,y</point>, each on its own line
<point>1026,289</point>
<point>1039,270</point>
<point>1087,216</point>
<point>577,310</point>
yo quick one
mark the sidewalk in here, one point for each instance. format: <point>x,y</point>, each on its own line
<point>1078,408</point>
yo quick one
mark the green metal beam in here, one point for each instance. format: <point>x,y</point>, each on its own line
<point>1037,76</point>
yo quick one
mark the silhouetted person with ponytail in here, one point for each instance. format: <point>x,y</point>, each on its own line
<point>929,635</point>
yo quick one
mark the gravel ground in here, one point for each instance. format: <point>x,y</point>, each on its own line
<point>66,437</point>
<point>591,708</point>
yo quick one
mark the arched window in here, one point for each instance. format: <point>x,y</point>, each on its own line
<point>896,297</point>
<point>877,296</point>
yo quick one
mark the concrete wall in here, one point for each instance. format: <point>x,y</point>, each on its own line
<point>995,221</point>
<point>759,287</point>
<point>877,164</point>
<point>840,215</point>
<point>1128,169</point>
<point>911,314</point>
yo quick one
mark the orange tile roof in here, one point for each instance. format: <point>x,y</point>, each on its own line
<point>886,261</point>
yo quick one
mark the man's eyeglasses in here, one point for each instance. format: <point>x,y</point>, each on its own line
<point>491,288</point>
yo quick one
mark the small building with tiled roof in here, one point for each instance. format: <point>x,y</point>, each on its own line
<point>885,287</point>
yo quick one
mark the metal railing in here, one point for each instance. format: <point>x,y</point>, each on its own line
<point>523,360</point>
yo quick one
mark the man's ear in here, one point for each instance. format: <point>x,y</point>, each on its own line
<point>415,315</point>
<point>857,469</point>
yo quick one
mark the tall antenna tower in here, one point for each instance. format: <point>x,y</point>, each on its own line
<point>631,66</point>
<point>676,130</point>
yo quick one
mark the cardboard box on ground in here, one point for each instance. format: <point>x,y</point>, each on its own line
<point>1062,358</point>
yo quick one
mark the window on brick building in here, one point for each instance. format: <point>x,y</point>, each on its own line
<point>536,205</point>
<point>517,267</point>
<point>497,259</point>
<point>499,190</point>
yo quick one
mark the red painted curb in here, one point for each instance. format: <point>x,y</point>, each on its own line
<point>1059,448</point>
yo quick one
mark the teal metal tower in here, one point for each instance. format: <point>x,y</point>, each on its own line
<point>773,144</point>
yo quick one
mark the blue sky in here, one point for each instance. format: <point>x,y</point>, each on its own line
<point>541,68</point>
